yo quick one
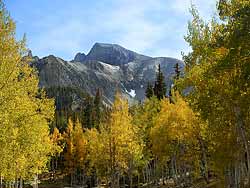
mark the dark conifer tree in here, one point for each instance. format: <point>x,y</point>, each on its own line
<point>160,86</point>
<point>88,113</point>
<point>177,71</point>
<point>173,87</point>
<point>97,108</point>
<point>149,91</point>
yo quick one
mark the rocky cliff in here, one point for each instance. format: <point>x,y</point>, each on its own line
<point>109,67</point>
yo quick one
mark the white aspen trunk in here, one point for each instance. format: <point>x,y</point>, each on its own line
<point>244,139</point>
<point>83,178</point>
<point>124,182</point>
<point>21,183</point>
<point>130,173</point>
<point>16,183</point>
<point>1,181</point>
<point>131,181</point>
<point>175,170</point>
<point>56,163</point>
<point>138,180</point>
<point>235,177</point>
<point>35,185</point>
<point>118,180</point>
<point>71,179</point>
<point>204,160</point>
<point>149,173</point>
<point>227,177</point>
<point>144,176</point>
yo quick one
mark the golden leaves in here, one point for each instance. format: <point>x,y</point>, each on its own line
<point>24,111</point>
<point>117,144</point>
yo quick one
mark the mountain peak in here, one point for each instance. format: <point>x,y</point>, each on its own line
<point>105,45</point>
<point>80,57</point>
<point>113,54</point>
<point>103,68</point>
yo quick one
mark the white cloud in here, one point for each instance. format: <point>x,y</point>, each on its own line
<point>132,19</point>
<point>154,27</point>
<point>205,7</point>
<point>61,37</point>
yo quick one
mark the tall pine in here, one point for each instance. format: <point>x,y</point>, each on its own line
<point>97,108</point>
<point>177,71</point>
<point>160,86</point>
<point>149,91</point>
<point>173,87</point>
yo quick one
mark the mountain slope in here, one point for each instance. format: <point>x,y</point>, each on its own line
<point>113,54</point>
<point>108,67</point>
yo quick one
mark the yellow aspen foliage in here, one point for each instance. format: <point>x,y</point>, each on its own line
<point>80,145</point>
<point>218,73</point>
<point>144,119</point>
<point>76,147</point>
<point>69,154</point>
<point>97,152</point>
<point>175,124</point>
<point>25,111</point>
<point>117,144</point>
<point>57,140</point>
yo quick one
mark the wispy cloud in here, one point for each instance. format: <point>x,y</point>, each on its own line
<point>153,27</point>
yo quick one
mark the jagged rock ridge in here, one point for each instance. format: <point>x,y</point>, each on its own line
<point>108,67</point>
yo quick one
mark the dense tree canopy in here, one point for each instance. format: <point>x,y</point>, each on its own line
<point>218,73</point>
<point>25,144</point>
<point>198,134</point>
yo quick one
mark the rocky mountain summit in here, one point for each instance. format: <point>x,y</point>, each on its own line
<point>109,67</point>
<point>113,54</point>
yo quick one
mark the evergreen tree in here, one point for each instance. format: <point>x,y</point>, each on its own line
<point>160,86</point>
<point>69,153</point>
<point>177,71</point>
<point>149,91</point>
<point>97,109</point>
<point>88,113</point>
<point>173,87</point>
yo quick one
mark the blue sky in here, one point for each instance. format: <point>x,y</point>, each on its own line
<point>65,27</point>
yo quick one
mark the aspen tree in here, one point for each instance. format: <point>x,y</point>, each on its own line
<point>25,111</point>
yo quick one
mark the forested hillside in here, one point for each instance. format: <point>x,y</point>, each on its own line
<point>192,133</point>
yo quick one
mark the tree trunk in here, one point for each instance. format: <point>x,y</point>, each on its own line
<point>1,181</point>
<point>71,179</point>
<point>16,183</point>
<point>144,175</point>
<point>242,133</point>
<point>130,173</point>
<point>83,178</point>
<point>130,181</point>
<point>21,183</point>
<point>138,180</point>
<point>204,170</point>
<point>35,185</point>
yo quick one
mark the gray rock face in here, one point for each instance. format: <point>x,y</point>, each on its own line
<point>113,54</point>
<point>80,57</point>
<point>114,68</point>
<point>139,74</point>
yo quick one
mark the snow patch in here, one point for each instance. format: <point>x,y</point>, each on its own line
<point>112,68</point>
<point>80,67</point>
<point>131,93</point>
